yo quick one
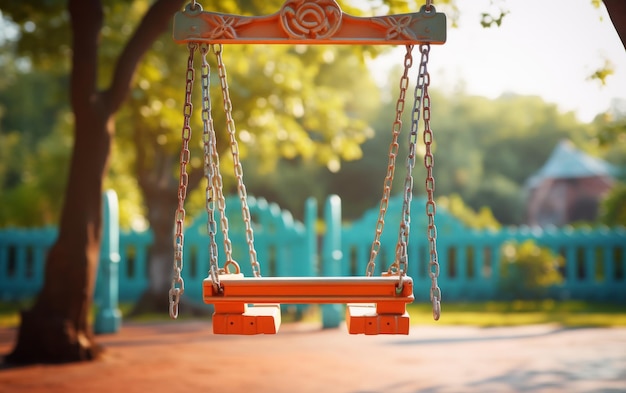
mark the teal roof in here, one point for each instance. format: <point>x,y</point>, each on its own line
<point>566,161</point>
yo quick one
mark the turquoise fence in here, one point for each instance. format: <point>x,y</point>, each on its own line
<point>595,260</point>
<point>284,246</point>
<point>23,254</point>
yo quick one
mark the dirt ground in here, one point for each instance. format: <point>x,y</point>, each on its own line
<point>186,357</point>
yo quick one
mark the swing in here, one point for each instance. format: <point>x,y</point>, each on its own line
<point>251,305</point>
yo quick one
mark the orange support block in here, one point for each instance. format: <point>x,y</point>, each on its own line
<point>247,320</point>
<point>368,319</point>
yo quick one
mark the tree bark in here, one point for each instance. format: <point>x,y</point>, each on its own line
<point>160,191</point>
<point>56,328</point>
<point>155,168</point>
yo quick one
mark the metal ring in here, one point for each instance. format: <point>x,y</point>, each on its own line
<point>233,263</point>
<point>193,8</point>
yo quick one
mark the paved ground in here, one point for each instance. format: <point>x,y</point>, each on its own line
<point>186,357</point>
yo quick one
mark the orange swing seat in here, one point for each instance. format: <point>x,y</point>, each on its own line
<point>251,305</point>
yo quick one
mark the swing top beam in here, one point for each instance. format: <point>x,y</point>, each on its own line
<point>309,22</point>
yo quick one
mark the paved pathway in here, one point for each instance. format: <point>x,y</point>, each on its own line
<point>186,357</point>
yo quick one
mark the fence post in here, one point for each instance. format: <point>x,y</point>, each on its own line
<point>310,225</point>
<point>109,317</point>
<point>332,257</point>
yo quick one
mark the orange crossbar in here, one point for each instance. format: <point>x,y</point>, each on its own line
<point>375,304</point>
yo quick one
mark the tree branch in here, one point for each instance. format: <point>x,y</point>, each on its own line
<point>153,24</point>
<point>617,12</point>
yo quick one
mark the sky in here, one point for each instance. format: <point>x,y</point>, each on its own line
<point>547,48</point>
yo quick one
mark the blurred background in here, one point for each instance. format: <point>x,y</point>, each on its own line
<point>528,112</point>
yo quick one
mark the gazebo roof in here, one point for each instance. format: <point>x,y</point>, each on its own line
<point>566,161</point>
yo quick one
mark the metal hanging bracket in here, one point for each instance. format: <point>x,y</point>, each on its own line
<point>310,22</point>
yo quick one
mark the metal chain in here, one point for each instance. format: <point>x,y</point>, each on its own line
<point>209,168</point>
<point>178,285</point>
<point>214,185</point>
<point>211,156</point>
<point>431,208</point>
<point>401,261</point>
<point>391,165</point>
<point>241,188</point>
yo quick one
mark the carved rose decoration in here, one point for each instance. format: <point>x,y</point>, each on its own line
<point>305,20</point>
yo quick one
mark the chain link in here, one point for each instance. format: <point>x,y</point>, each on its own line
<point>391,165</point>
<point>431,207</point>
<point>178,285</point>
<point>241,188</point>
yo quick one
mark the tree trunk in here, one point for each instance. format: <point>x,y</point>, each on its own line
<point>56,328</point>
<point>160,192</point>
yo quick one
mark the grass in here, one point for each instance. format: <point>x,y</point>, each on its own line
<point>516,313</point>
<point>484,314</point>
<point>10,312</point>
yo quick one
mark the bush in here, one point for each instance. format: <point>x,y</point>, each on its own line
<point>528,270</point>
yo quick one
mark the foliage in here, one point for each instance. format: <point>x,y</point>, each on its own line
<point>613,207</point>
<point>609,136</point>
<point>288,101</point>
<point>482,219</point>
<point>610,140</point>
<point>487,149</point>
<point>34,150</point>
<point>601,74</point>
<point>311,122</point>
<point>527,270</point>
<point>290,104</point>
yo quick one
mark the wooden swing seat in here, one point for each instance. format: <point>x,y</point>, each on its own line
<point>251,305</point>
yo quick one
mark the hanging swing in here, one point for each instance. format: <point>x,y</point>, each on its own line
<point>251,305</point>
